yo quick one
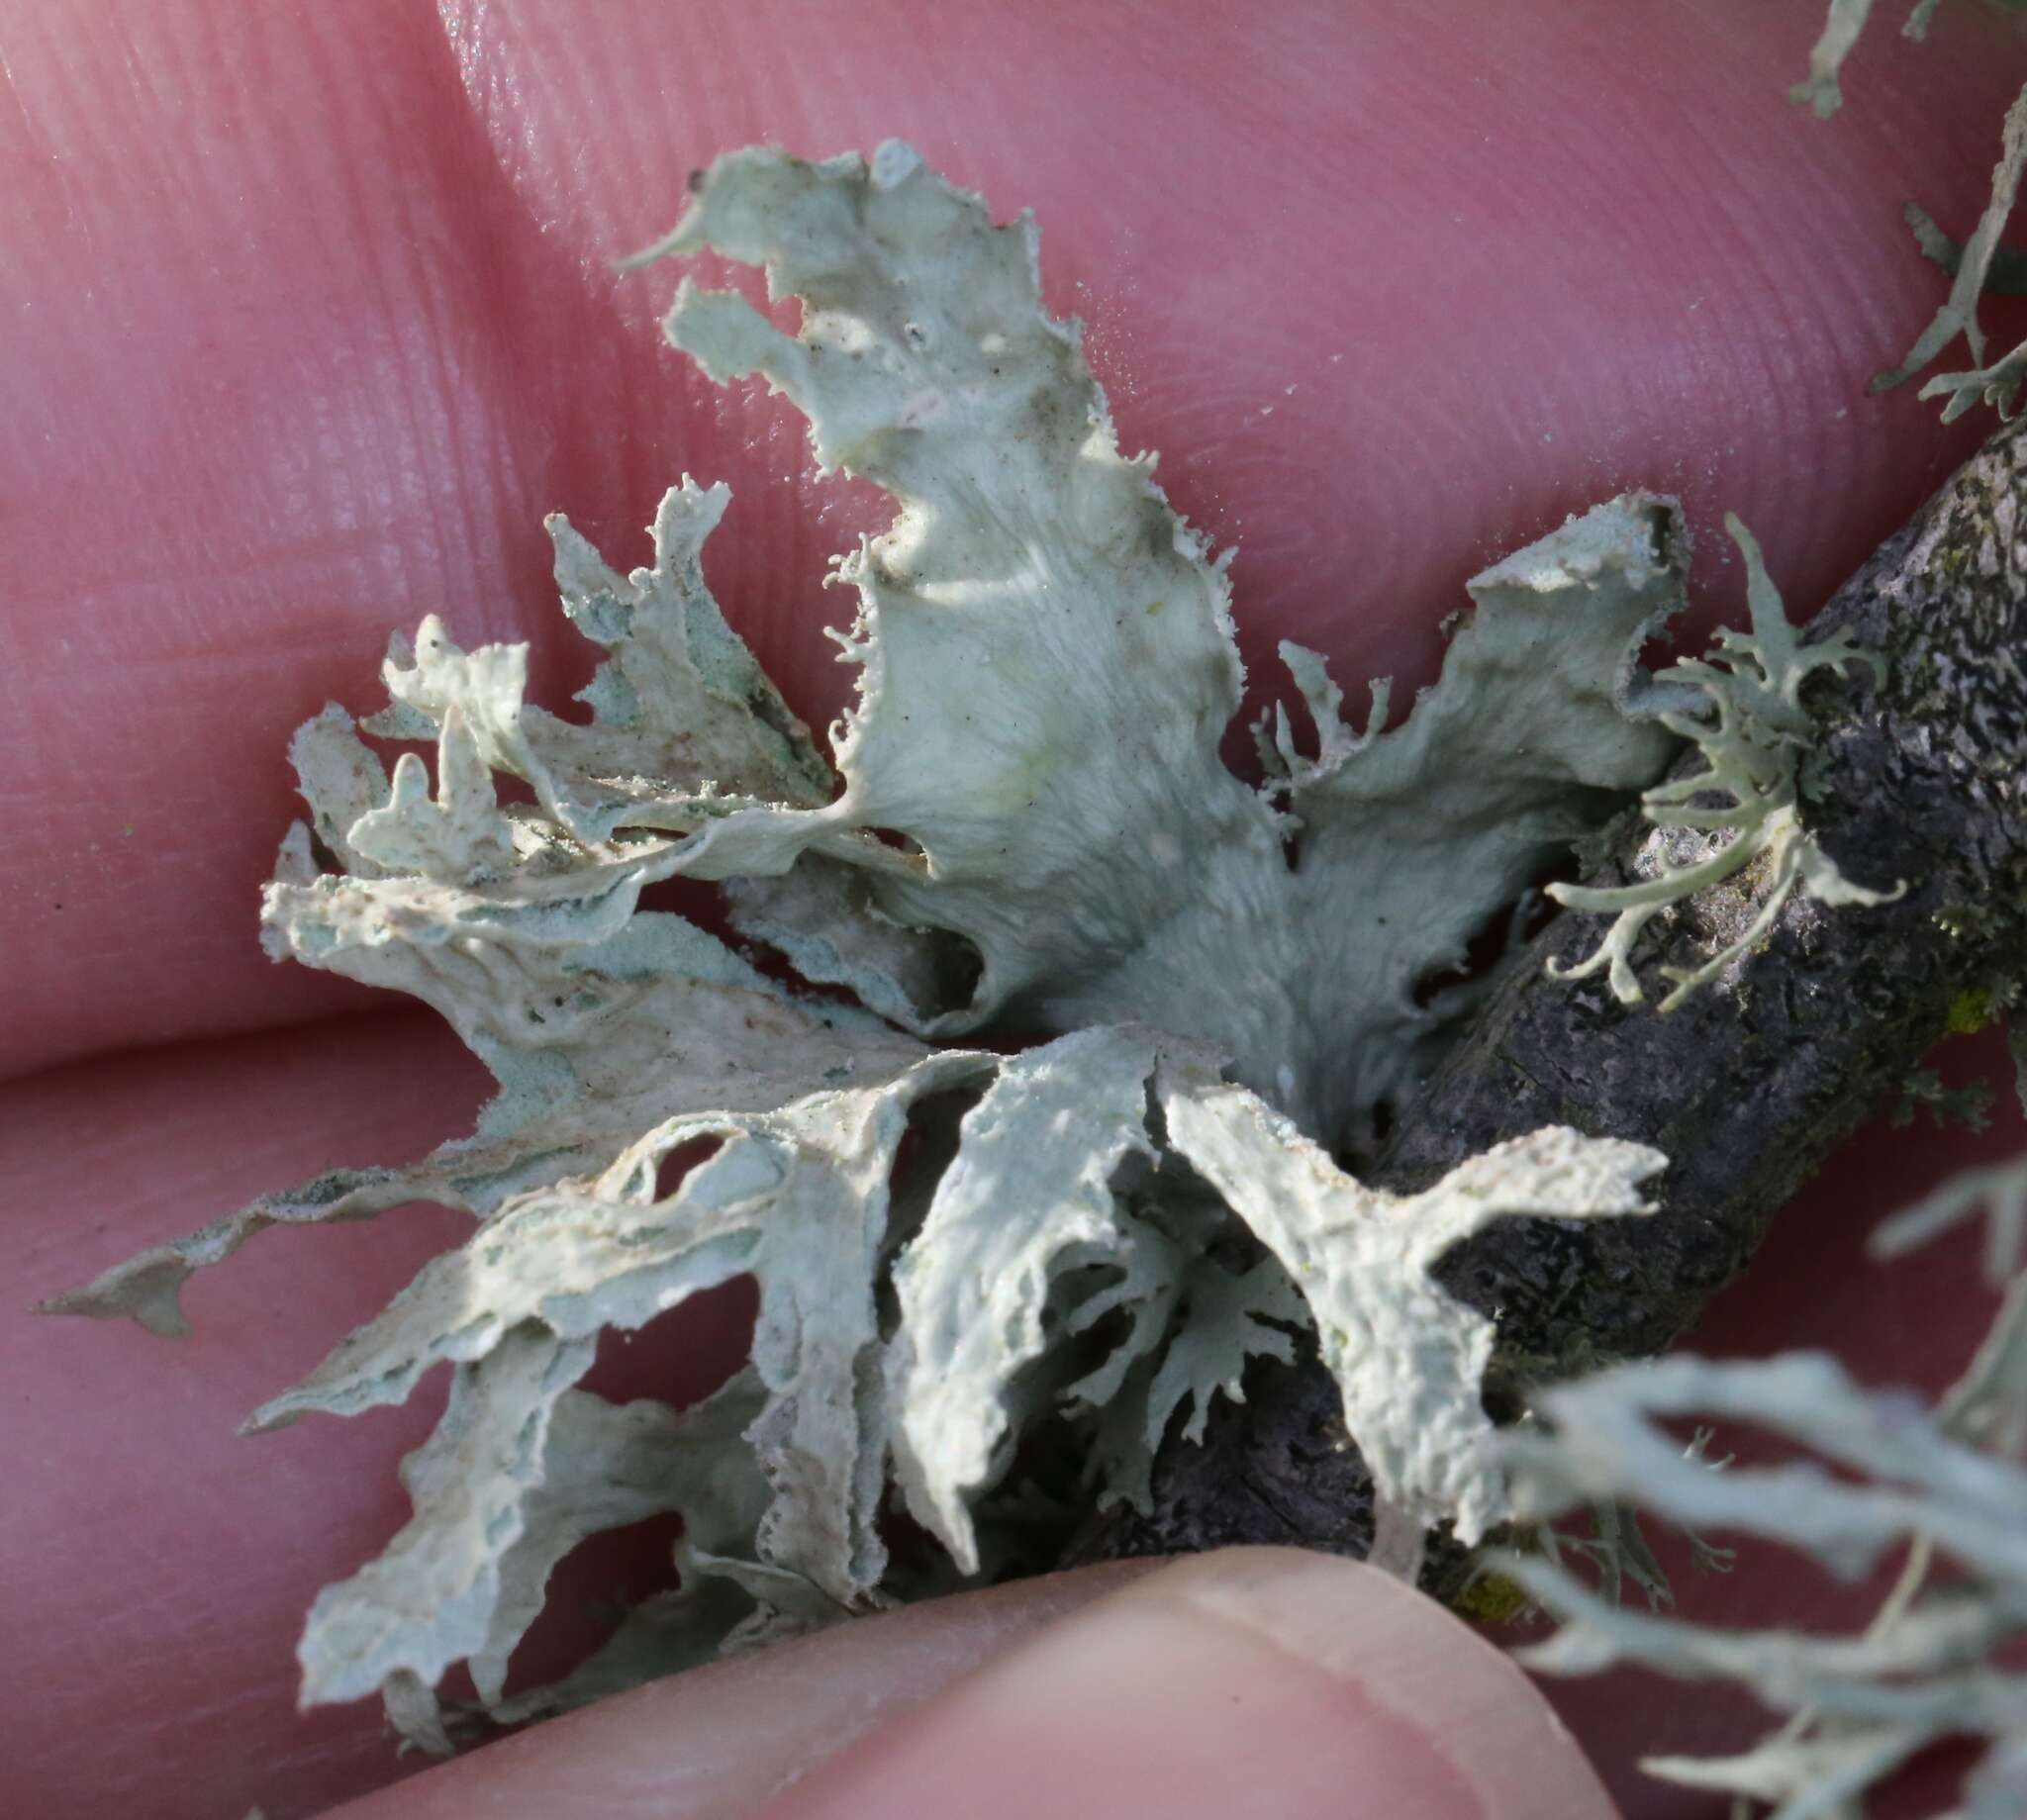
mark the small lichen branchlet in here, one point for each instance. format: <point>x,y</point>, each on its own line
<point>1754,734</point>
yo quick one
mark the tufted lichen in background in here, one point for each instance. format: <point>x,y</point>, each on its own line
<point>1869,1477</point>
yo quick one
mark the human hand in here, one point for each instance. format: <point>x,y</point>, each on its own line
<point>313,321</point>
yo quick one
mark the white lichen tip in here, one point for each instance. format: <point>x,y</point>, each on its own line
<point>1409,1359</point>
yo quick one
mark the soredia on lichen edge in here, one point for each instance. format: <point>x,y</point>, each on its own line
<point>990,1285</point>
<point>1755,735</point>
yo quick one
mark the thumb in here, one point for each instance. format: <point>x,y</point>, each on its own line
<point>1253,1681</point>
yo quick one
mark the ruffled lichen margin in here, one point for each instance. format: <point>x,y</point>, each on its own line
<point>1023,824</point>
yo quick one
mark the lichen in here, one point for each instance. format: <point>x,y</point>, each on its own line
<point>1966,1107</point>
<point>1755,736</point>
<point>1997,385</point>
<point>1976,266</point>
<point>1934,1486</point>
<point>1131,1007</point>
<point>1821,91</point>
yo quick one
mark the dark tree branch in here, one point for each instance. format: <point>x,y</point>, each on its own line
<point>1751,1083</point>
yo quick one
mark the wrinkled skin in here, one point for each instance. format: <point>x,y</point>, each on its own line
<point>310,322</point>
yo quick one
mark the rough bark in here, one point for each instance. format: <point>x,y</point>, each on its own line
<point>1751,1083</point>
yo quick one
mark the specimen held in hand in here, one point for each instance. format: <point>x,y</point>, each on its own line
<point>1065,1141</point>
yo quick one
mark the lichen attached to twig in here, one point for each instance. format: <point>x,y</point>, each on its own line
<point>1755,735</point>
<point>986,1278</point>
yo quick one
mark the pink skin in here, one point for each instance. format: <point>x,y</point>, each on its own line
<point>311,320</point>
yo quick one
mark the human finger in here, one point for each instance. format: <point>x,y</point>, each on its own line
<point>1266,1682</point>
<point>313,318</point>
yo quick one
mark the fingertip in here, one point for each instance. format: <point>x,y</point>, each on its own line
<point>1257,1681</point>
<point>724,1739</point>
